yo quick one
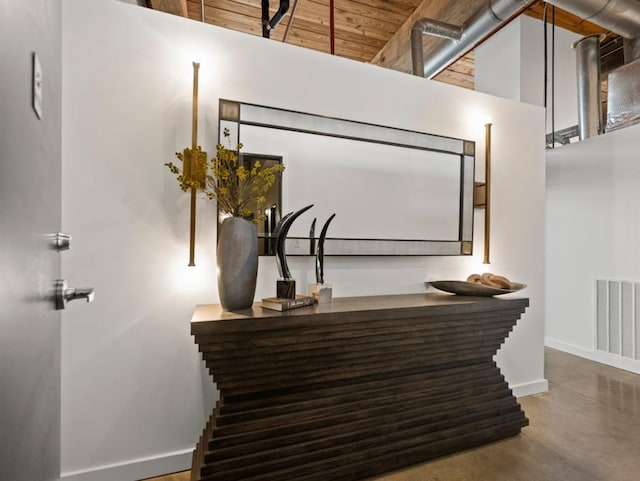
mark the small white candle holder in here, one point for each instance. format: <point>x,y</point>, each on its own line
<point>322,293</point>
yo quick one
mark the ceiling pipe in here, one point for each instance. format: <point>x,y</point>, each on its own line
<point>620,16</point>
<point>282,10</point>
<point>588,70</point>
<point>270,24</point>
<point>490,17</point>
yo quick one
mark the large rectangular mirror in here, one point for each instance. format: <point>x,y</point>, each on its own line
<point>394,191</point>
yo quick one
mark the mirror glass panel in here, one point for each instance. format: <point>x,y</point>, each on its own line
<point>394,191</point>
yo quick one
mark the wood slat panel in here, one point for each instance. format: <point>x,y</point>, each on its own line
<point>317,428</point>
<point>347,391</point>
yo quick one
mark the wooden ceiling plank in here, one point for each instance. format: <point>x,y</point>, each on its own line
<point>357,9</point>
<point>232,20</point>
<point>314,10</point>
<point>375,8</point>
<point>193,10</point>
<point>250,9</point>
<point>401,7</point>
<point>176,7</point>
<point>454,78</point>
<point>320,42</point>
<point>303,25</point>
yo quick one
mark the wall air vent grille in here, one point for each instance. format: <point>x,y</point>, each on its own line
<point>617,313</point>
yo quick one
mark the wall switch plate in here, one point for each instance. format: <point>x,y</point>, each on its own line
<point>37,86</point>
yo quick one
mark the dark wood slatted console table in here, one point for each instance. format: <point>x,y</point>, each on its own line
<point>355,388</point>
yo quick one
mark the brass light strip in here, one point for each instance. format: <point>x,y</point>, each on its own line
<point>194,159</point>
<point>487,201</point>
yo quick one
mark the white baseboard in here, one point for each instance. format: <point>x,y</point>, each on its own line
<point>135,469</point>
<point>597,356</point>
<point>529,388</point>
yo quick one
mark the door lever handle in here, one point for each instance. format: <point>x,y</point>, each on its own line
<point>64,294</point>
<point>71,294</point>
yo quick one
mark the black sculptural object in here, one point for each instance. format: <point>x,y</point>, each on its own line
<point>320,252</point>
<point>286,287</point>
<point>312,237</point>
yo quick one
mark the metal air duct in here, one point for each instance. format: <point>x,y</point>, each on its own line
<point>429,27</point>
<point>483,22</point>
<point>620,16</point>
<point>589,104</point>
<point>631,49</point>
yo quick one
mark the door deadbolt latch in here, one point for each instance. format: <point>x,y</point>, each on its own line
<point>62,242</point>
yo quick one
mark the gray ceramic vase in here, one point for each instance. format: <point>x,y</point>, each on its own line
<point>237,263</point>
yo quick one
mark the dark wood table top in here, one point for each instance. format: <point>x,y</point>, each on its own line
<point>403,304</point>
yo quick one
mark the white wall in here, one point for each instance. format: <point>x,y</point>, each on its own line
<point>134,397</point>
<point>510,64</point>
<point>593,232</point>
<point>497,63</point>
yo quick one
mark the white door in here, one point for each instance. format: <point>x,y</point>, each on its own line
<point>29,211</point>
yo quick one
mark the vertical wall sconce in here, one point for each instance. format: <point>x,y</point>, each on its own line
<point>482,193</point>
<point>192,165</point>
<point>487,191</point>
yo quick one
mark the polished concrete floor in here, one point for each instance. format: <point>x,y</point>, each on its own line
<point>586,428</point>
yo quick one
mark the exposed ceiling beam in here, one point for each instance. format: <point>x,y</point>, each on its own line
<point>176,7</point>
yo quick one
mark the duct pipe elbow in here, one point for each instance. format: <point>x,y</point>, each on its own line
<point>489,17</point>
<point>282,10</point>
<point>429,26</point>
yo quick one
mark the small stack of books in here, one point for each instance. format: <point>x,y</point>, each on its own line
<point>283,304</point>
